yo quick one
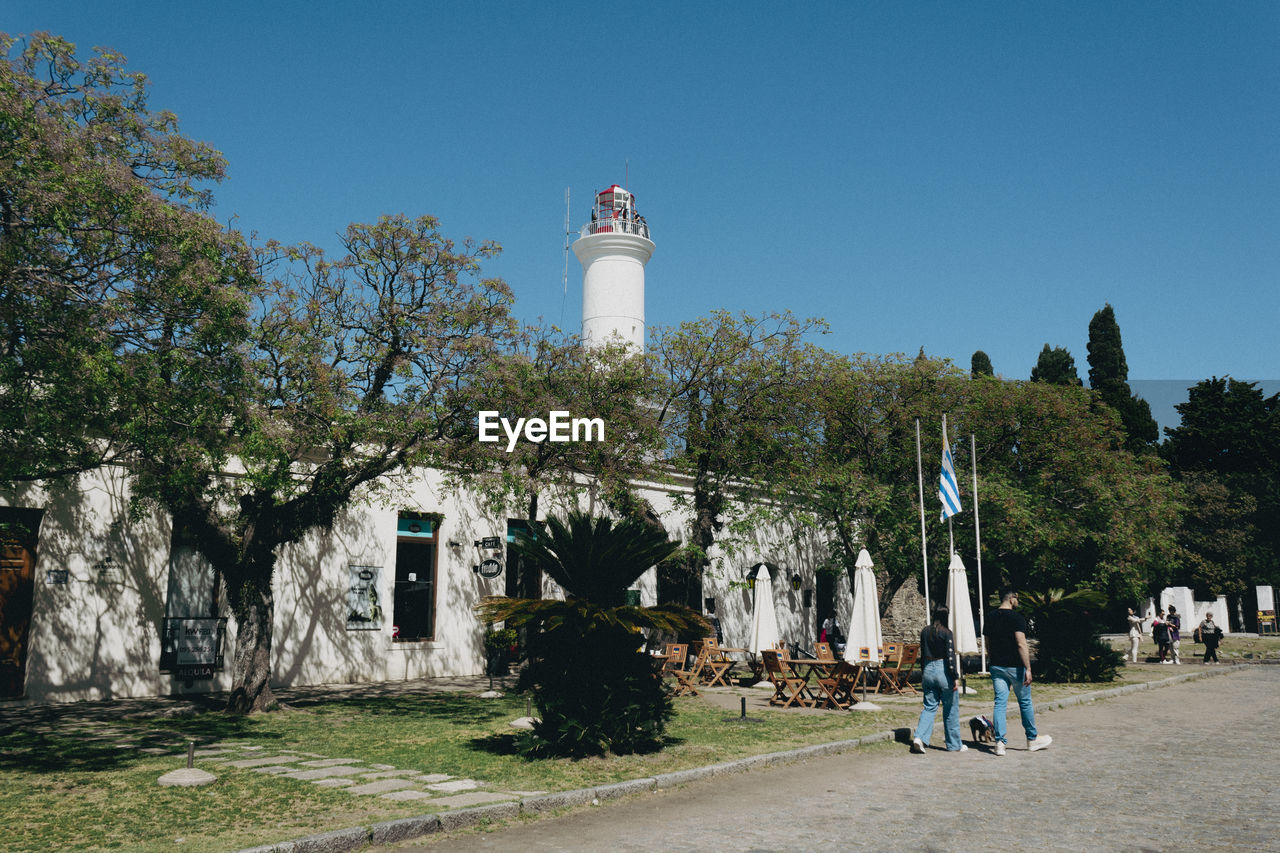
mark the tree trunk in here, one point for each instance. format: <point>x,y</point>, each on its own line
<point>251,665</point>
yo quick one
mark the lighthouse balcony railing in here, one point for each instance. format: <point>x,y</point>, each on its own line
<point>616,226</point>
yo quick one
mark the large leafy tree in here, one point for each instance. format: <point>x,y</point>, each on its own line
<point>1063,505</point>
<point>730,388</point>
<point>1227,452</point>
<point>596,689</point>
<point>362,366</point>
<point>1109,378</point>
<point>123,306</point>
<point>854,474</point>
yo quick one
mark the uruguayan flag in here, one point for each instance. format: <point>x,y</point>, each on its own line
<point>948,489</point>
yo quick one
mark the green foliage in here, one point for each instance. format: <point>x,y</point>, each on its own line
<point>1226,451</point>
<point>1069,646</point>
<point>1109,378</point>
<point>596,689</point>
<point>1056,367</point>
<point>980,365</point>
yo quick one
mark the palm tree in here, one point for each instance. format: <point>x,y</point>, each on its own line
<point>596,689</point>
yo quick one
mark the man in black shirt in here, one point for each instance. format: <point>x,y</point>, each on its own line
<point>1006,633</point>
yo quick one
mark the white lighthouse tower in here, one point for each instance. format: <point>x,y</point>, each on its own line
<point>613,249</point>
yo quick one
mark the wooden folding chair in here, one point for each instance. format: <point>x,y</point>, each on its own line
<point>715,669</point>
<point>788,688</point>
<point>890,657</point>
<point>822,651</point>
<point>896,679</point>
<point>838,685</point>
<point>677,656</point>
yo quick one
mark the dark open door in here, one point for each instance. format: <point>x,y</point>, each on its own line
<point>18,530</point>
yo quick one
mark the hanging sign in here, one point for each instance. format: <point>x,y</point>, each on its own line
<point>489,569</point>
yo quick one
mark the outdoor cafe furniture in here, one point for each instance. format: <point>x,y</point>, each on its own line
<point>674,660</point>
<point>822,651</point>
<point>789,688</point>
<point>717,666</point>
<point>895,672</point>
<point>837,686</point>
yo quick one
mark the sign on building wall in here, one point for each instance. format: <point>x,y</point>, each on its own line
<point>364,608</point>
<point>191,648</point>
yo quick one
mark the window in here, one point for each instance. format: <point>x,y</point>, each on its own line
<point>414,601</point>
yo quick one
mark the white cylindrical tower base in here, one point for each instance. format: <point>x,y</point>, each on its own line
<point>613,287</point>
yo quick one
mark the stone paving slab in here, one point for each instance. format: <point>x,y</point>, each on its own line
<point>407,794</point>
<point>434,777</point>
<point>334,782</point>
<point>471,798</point>
<point>388,773</point>
<point>331,762</point>
<point>277,769</point>
<point>456,785</point>
<point>382,786</point>
<point>259,762</point>
<point>326,772</point>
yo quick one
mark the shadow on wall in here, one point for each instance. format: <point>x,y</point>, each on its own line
<point>96,636</point>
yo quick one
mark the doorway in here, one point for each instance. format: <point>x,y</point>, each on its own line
<point>18,533</point>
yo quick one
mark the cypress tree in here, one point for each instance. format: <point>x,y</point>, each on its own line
<point>1055,366</point>
<point>1109,377</point>
<point>980,365</point>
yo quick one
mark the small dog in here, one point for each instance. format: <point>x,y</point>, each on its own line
<point>982,730</point>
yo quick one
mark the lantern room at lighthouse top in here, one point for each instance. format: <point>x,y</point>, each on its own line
<point>615,212</point>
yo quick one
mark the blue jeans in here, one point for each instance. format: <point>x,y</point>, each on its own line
<point>937,688</point>
<point>1002,679</point>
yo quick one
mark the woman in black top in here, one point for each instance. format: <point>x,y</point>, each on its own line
<point>939,684</point>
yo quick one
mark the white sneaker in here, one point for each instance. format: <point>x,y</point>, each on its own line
<point>999,747</point>
<point>962,748</point>
<point>1039,743</point>
<point>917,746</point>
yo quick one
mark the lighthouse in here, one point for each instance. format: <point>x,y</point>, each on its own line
<point>613,249</point>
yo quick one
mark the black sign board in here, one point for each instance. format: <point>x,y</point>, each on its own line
<point>491,543</point>
<point>489,569</point>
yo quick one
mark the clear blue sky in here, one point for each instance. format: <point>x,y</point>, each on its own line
<point>952,176</point>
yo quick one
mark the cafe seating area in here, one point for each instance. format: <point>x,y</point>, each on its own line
<point>820,680</point>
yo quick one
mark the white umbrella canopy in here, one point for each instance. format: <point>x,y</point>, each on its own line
<point>764,621</point>
<point>961,619</point>
<point>864,640</point>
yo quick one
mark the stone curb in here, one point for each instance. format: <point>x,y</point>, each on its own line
<point>345,840</point>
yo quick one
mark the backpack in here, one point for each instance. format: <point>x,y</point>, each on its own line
<point>1160,632</point>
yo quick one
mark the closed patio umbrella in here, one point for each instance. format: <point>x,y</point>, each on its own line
<point>961,619</point>
<point>864,640</point>
<point>764,621</point>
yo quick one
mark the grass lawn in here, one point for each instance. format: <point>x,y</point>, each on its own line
<point>84,784</point>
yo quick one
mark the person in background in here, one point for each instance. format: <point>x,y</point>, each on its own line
<point>939,682</point>
<point>1174,623</point>
<point>1135,634</point>
<point>1006,635</point>
<point>1210,635</point>
<point>1160,633</point>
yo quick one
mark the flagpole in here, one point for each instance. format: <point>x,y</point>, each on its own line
<point>924,547</point>
<point>977,535</point>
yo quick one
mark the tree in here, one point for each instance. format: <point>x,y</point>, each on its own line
<point>853,471</point>
<point>119,297</point>
<point>980,365</point>
<point>1062,504</point>
<point>729,399</point>
<point>361,368</point>
<point>1227,451</point>
<point>1056,367</point>
<point>546,370</point>
<point>596,689</point>
<point>1109,377</point>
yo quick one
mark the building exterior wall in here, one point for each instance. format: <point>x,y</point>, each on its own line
<point>98,636</point>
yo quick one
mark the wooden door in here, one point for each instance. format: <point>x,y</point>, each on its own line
<point>17,587</point>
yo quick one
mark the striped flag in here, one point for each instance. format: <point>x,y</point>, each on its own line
<point>948,488</point>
